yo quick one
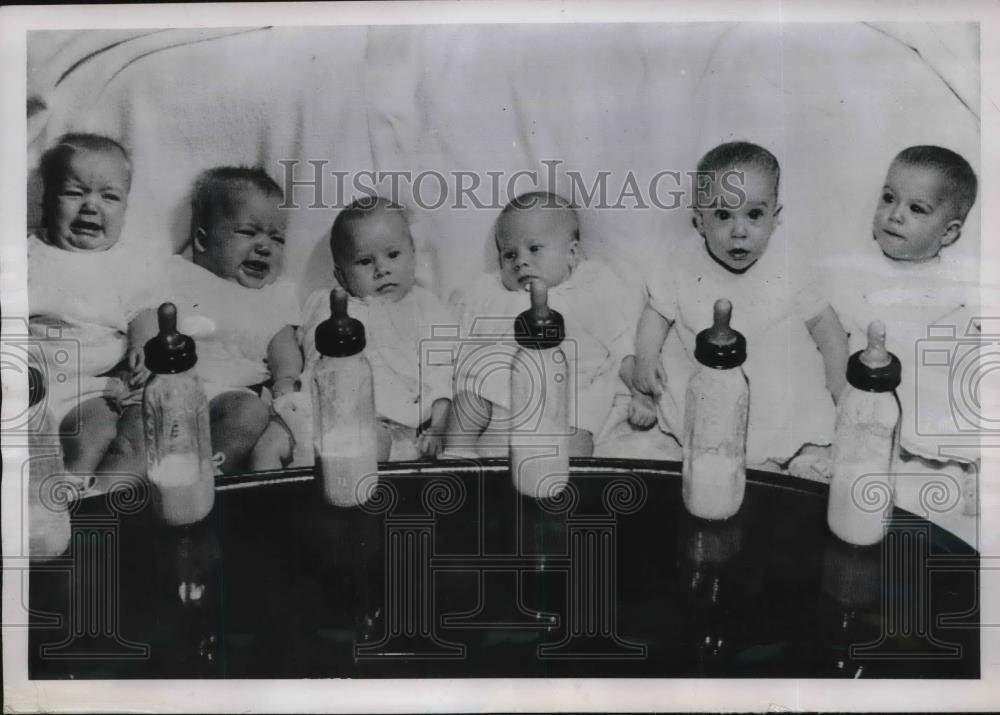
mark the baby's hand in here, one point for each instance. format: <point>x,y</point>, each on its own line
<point>649,377</point>
<point>429,444</point>
<point>642,411</point>
<point>138,373</point>
<point>283,386</point>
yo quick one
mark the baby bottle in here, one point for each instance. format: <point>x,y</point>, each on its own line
<point>539,396</point>
<point>864,443</point>
<point>345,434</point>
<point>716,408</point>
<point>48,485</point>
<point>178,439</point>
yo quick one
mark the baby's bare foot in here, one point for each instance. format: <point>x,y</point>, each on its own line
<point>642,411</point>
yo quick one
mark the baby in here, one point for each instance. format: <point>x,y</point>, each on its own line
<point>924,201</point>
<point>374,261</point>
<point>538,238</point>
<point>87,291</point>
<point>775,306</point>
<point>242,317</point>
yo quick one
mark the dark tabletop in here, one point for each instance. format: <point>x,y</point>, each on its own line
<point>447,572</point>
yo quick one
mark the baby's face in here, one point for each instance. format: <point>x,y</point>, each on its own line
<point>914,217</point>
<point>87,209</point>
<point>536,243</point>
<point>379,260</point>
<point>246,244</point>
<point>737,236</point>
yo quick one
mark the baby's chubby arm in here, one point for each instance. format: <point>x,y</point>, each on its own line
<point>431,440</point>
<point>284,360</point>
<point>141,330</point>
<point>831,339</point>
<point>647,374</point>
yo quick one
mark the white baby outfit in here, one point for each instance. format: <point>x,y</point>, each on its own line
<point>80,304</point>
<point>232,325</point>
<point>593,303</point>
<point>929,310</point>
<point>789,403</point>
<point>395,333</point>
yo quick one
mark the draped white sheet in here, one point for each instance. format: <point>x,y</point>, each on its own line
<point>834,102</point>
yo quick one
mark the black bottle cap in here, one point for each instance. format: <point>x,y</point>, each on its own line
<point>339,335</point>
<point>169,352</point>
<point>36,386</point>
<point>874,369</point>
<point>539,327</point>
<point>720,346</point>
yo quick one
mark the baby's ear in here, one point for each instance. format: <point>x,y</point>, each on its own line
<point>574,250</point>
<point>698,221</point>
<point>952,232</point>
<point>777,213</point>
<point>198,241</point>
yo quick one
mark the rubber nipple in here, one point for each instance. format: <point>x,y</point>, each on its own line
<point>539,300</point>
<point>874,369</point>
<point>340,335</point>
<point>720,346</point>
<point>539,326</point>
<point>875,355</point>
<point>720,332</point>
<point>170,351</point>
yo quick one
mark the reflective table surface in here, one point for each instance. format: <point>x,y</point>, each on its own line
<point>448,572</point>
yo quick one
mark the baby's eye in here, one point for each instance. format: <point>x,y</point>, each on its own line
<point>722,214</point>
<point>108,196</point>
<point>755,214</point>
<point>393,254</point>
<point>71,193</point>
<point>364,261</point>
<point>887,198</point>
<point>536,248</point>
<point>917,209</point>
<point>509,256</point>
<point>278,238</point>
<point>249,233</point>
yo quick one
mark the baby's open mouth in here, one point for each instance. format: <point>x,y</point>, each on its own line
<point>739,253</point>
<point>88,228</point>
<point>889,232</point>
<point>524,279</point>
<point>256,269</point>
<point>386,287</point>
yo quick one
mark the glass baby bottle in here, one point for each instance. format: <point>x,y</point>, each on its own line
<point>716,409</point>
<point>539,394</point>
<point>864,443</point>
<point>49,487</point>
<point>175,415</point>
<point>345,433</point>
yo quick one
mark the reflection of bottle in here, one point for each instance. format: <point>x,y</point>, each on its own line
<point>192,556</point>
<point>715,421</point>
<point>706,552</point>
<point>178,438</point>
<point>852,583</point>
<point>48,518</point>
<point>864,443</point>
<point>345,434</point>
<point>539,397</point>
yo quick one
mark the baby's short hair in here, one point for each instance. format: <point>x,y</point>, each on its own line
<point>220,185</point>
<point>55,160</point>
<point>364,207</point>
<point>542,200</point>
<point>960,180</point>
<point>735,154</point>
